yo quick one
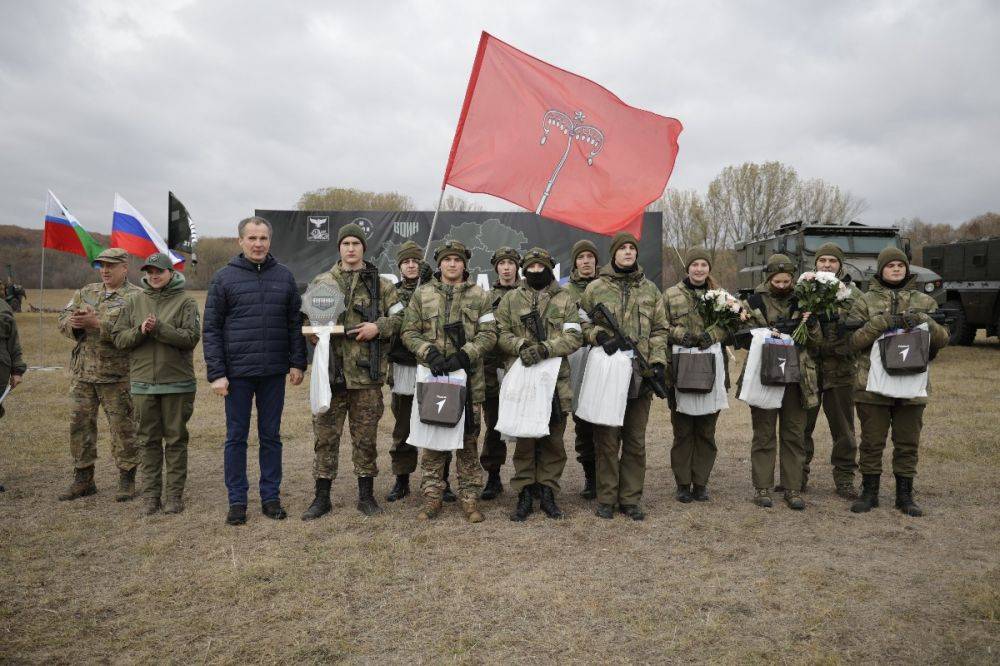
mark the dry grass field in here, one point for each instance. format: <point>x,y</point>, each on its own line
<point>725,582</point>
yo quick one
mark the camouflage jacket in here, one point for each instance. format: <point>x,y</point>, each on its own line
<point>679,304</point>
<point>773,309</point>
<point>165,356</point>
<point>881,300</point>
<point>637,305</point>
<point>496,358</point>
<point>435,304</point>
<point>576,286</point>
<point>11,361</point>
<point>560,315</point>
<point>838,362</point>
<point>95,357</point>
<point>345,352</point>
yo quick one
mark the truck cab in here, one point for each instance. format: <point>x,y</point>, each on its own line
<point>971,273</point>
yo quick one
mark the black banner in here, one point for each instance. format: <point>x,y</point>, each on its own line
<point>306,241</point>
<point>181,234</point>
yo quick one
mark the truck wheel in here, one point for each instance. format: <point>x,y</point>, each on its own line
<point>961,332</point>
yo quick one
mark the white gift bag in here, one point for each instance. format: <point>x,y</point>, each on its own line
<point>699,404</point>
<point>437,438</point>
<point>577,364</point>
<point>526,398</point>
<point>604,391</point>
<point>404,379</point>
<point>752,391</point>
<point>320,394</point>
<point>895,386</point>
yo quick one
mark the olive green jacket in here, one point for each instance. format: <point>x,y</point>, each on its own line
<point>838,362</point>
<point>560,315</point>
<point>345,350</point>
<point>495,358</point>
<point>95,357</point>
<point>680,307</point>
<point>881,300</point>
<point>11,361</point>
<point>164,356</point>
<point>436,304</point>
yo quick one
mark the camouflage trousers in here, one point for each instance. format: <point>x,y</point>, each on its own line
<point>87,397</point>
<point>362,408</point>
<point>470,472</point>
<point>403,455</point>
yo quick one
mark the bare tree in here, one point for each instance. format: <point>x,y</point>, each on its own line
<point>459,204</point>
<point>349,198</point>
<point>752,199</point>
<point>818,201</point>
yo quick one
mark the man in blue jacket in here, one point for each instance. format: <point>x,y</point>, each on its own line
<point>252,338</point>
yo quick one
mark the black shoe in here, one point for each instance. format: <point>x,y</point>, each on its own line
<point>548,503</point>
<point>272,509</point>
<point>700,493</point>
<point>524,506</point>
<point>2,489</point>
<point>869,494</point>
<point>684,494</point>
<point>632,511</point>
<point>904,497</point>
<point>321,503</point>
<point>605,511</point>
<point>779,488</point>
<point>401,488</point>
<point>493,486</point>
<point>447,495</point>
<point>237,514</point>
<point>589,481</point>
<point>366,497</point>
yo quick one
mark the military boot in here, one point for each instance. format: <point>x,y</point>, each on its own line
<point>700,493</point>
<point>869,494</point>
<point>321,502</point>
<point>847,490</point>
<point>174,505</point>
<point>589,480</point>
<point>524,506</point>
<point>151,506</point>
<point>400,489</point>
<point>633,511</point>
<point>366,497</point>
<point>83,484</point>
<point>431,508</point>
<point>684,493</point>
<point>447,495</point>
<point>793,500</point>
<point>548,503</point>
<point>471,511</point>
<point>493,486</point>
<point>762,498</point>
<point>126,485</point>
<point>605,511</point>
<point>904,497</point>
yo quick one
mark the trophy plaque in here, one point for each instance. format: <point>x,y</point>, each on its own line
<point>323,304</point>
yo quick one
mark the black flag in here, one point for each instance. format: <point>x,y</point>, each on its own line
<point>181,232</point>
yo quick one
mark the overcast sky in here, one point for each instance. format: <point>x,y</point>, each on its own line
<point>236,104</point>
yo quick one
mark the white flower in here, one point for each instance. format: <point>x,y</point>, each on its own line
<point>808,276</point>
<point>826,277</point>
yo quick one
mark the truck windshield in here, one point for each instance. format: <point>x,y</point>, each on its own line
<point>853,244</point>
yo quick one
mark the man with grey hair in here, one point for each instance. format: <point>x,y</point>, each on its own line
<point>252,338</point>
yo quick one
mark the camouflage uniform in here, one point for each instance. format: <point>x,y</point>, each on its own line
<point>100,377</point>
<point>431,307</point>
<point>583,431</point>
<point>637,305</point>
<point>361,402</point>
<point>11,361</point>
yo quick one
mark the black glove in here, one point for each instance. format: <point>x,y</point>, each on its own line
<point>660,373</point>
<point>689,340</point>
<point>453,362</point>
<point>532,354</point>
<point>435,361</point>
<point>705,340</point>
<point>603,337</point>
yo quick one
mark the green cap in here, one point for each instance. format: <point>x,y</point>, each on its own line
<point>892,253</point>
<point>620,239</point>
<point>830,250</point>
<point>157,260</point>
<point>452,247</point>
<point>537,255</point>
<point>113,255</point>
<point>352,230</point>
<point>506,253</point>
<point>779,263</point>
<point>696,253</point>
<point>409,250</point>
<point>582,246</point>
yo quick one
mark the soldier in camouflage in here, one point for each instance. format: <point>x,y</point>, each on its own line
<point>539,462</point>
<point>636,303</point>
<point>837,366</point>
<point>356,396</point>
<point>12,366</point>
<point>452,298</point>
<point>585,258</point>
<point>774,300</point>
<point>506,262</point>
<point>100,377</point>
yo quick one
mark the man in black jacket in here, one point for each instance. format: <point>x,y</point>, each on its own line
<point>252,338</point>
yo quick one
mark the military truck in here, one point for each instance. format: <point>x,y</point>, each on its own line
<point>861,244</point>
<point>971,273</point>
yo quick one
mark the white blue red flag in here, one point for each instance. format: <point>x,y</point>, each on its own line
<point>133,233</point>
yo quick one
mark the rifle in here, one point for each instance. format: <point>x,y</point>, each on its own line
<point>639,361</point>
<point>370,279</point>
<point>455,332</point>
<point>533,322</point>
<point>943,316</point>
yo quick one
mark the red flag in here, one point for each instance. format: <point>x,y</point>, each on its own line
<point>558,144</point>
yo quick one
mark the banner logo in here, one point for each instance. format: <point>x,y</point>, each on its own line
<point>366,226</point>
<point>573,129</point>
<point>318,229</point>
<point>406,229</point>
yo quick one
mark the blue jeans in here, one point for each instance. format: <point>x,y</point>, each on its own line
<point>270,394</point>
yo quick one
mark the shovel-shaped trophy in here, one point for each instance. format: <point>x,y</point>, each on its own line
<point>323,304</point>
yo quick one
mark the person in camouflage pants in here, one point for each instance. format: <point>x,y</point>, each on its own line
<point>637,305</point>
<point>356,396</point>
<point>506,262</point>
<point>12,366</point>
<point>585,258</point>
<point>100,377</point>
<point>837,364</point>
<point>435,309</point>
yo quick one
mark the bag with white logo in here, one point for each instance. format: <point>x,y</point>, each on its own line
<point>605,389</point>
<point>441,403</point>
<point>779,362</point>
<point>902,386</point>
<point>404,379</point>
<point>526,398</point>
<point>437,437</point>
<point>907,352</point>
<point>717,399</point>
<point>752,391</point>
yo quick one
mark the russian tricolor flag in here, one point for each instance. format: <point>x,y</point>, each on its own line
<point>133,233</point>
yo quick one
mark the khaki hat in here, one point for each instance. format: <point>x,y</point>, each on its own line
<point>620,239</point>
<point>537,255</point>
<point>113,255</point>
<point>157,260</point>
<point>409,250</point>
<point>452,247</point>
<point>779,263</point>
<point>892,253</point>
<point>696,253</point>
<point>506,253</point>
<point>831,250</point>
<point>352,230</point>
<point>582,246</point>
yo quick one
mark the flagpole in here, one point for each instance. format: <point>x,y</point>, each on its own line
<point>41,303</point>
<point>434,219</point>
